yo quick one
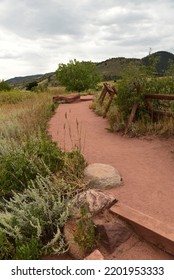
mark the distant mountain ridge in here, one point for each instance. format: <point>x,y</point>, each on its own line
<point>26,79</point>
<point>23,81</point>
<point>164,58</point>
<point>108,69</point>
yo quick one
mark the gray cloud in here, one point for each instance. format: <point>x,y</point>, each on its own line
<point>36,35</point>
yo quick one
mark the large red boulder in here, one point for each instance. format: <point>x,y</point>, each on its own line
<point>70,98</point>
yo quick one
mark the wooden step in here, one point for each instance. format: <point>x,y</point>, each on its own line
<point>152,230</point>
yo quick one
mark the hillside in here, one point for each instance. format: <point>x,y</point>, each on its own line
<point>21,82</point>
<point>163,63</point>
<point>109,69</point>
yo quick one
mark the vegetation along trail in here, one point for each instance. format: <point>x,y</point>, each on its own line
<point>146,165</point>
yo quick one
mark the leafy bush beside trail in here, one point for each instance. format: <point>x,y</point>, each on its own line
<point>20,164</point>
<point>32,222</point>
<point>78,76</point>
<point>131,89</point>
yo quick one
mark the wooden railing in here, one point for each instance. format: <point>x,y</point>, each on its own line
<point>153,112</point>
<point>111,90</point>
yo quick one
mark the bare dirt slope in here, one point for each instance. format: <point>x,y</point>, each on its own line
<point>146,165</point>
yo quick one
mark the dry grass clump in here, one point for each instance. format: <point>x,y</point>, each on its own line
<point>14,96</point>
<point>163,127</point>
<point>22,119</point>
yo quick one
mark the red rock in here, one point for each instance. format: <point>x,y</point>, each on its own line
<point>70,98</point>
<point>113,234</point>
<point>96,201</point>
<point>74,249</point>
<point>96,255</point>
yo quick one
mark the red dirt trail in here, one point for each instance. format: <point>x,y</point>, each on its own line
<point>146,165</point>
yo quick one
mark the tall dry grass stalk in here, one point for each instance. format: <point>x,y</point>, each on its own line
<point>76,137</point>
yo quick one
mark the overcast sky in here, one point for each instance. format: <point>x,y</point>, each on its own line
<point>37,35</point>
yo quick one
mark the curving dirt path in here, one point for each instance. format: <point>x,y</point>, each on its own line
<point>146,165</point>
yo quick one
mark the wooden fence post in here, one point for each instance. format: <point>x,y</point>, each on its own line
<point>108,106</point>
<point>131,117</point>
<point>103,94</point>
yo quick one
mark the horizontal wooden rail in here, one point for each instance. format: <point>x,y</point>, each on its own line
<point>154,113</point>
<point>160,96</point>
<point>163,113</point>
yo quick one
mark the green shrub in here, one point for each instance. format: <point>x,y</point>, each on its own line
<point>74,163</point>
<point>36,217</point>
<point>85,235</point>
<point>4,86</point>
<point>128,95</point>
<point>78,76</point>
<point>43,148</point>
<point>7,250</point>
<point>21,164</point>
<point>40,87</point>
<point>28,251</point>
<point>17,169</point>
<point>31,85</point>
<point>131,90</point>
<point>163,85</point>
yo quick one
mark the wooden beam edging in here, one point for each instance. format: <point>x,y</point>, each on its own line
<point>152,230</point>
